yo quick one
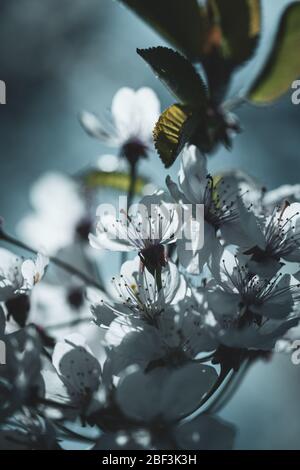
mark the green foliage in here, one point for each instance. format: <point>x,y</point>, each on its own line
<point>195,119</point>
<point>171,132</point>
<point>178,74</point>
<point>182,23</point>
<point>116,180</point>
<point>239,23</point>
<point>283,65</point>
<point>222,35</point>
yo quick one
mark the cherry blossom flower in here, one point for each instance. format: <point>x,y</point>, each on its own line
<point>164,395</point>
<point>17,279</point>
<point>138,297</point>
<point>197,187</point>
<point>176,340</point>
<point>134,114</point>
<point>249,311</point>
<point>78,369</point>
<point>268,240</point>
<point>158,399</point>
<point>148,230</point>
<point>59,215</point>
<point>11,278</point>
<point>33,271</point>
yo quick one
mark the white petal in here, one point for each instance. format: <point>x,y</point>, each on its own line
<point>280,303</point>
<point>192,254</point>
<point>92,125</point>
<point>149,110</point>
<point>130,270</point>
<point>258,338</point>
<point>223,303</point>
<point>139,394</point>
<point>28,272</point>
<point>184,388</point>
<point>117,331</point>
<point>103,314</point>
<point>292,212</point>
<point>175,192</point>
<point>101,241</point>
<point>137,348</point>
<point>41,263</point>
<point>76,365</point>
<point>41,232</point>
<point>192,174</point>
<point>135,113</point>
<point>124,113</point>
<point>174,284</point>
<point>246,232</point>
<point>57,196</point>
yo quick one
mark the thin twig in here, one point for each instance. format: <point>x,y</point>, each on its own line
<point>229,389</point>
<point>131,189</point>
<point>223,375</point>
<point>61,264</point>
<point>130,195</point>
<point>69,323</point>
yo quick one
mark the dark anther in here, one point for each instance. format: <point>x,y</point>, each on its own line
<point>133,150</point>
<point>18,308</point>
<point>76,297</point>
<point>83,229</point>
<point>153,257</point>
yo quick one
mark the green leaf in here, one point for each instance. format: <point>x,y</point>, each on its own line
<point>229,42</point>
<point>221,34</point>
<point>238,38</point>
<point>112,180</point>
<point>283,64</point>
<point>171,132</point>
<point>182,23</point>
<point>181,124</point>
<point>178,74</point>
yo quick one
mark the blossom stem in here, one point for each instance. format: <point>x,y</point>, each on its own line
<point>229,389</point>
<point>130,195</point>
<point>131,189</point>
<point>68,324</point>
<point>222,377</point>
<point>158,279</point>
<point>61,264</point>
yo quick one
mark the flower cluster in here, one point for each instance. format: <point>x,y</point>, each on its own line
<point>127,363</point>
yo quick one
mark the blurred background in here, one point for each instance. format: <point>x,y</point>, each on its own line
<point>58,57</point>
